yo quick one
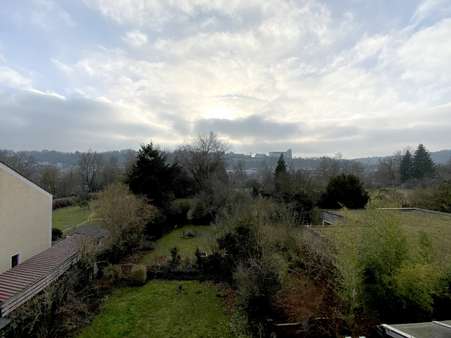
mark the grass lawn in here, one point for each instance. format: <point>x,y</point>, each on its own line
<point>437,227</point>
<point>162,309</point>
<point>70,217</point>
<point>204,238</point>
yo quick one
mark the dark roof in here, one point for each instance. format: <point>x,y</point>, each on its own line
<point>91,230</point>
<point>26,178</point>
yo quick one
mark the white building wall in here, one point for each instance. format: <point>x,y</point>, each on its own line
<point>25,218</point>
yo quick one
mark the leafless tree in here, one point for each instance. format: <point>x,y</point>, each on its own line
<point>50,178</point>
<point>204,159</point>
<point>89,166</point>
<point>388,172</point>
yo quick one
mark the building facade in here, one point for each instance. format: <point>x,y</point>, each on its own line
<point>287,155</point>
<point>25,219</point>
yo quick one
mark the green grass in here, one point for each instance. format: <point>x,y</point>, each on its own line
<point>437,228</point>
<point>159,309</point>
<point>205,237</point>
<point>70,217</point>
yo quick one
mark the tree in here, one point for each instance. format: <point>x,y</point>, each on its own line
<point>423,166</point>
<point>153,177</point>
<point>20,161</point>
<point>281,177</point>
<point>124,215</point>
<point>204,160</point>
<point>388,171</point>
<point>89,165</point>
<point>406,167</point>
<point>49,179</point>
<point>328,168</point>
<point>344,191</point>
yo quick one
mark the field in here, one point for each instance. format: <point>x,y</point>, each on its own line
<point>436,227</point>
<point>163,309</point>
<point>70,217</point>
<point>203,239</point>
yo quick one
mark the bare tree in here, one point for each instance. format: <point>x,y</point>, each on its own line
<point>49,179</point>
<point>89,165</point>
<point>388,172</point>
<point>21,162</point>
<point>204,159</point>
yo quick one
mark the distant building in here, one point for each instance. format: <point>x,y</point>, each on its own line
<point>287,155</point>
<point>260,156</point>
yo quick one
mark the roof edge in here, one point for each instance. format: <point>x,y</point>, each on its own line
<point>17,174</point>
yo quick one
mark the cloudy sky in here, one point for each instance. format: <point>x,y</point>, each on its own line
<point>357,77</point>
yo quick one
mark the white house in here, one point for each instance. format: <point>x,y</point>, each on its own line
<point>25,218</point>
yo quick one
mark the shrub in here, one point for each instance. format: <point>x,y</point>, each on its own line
<point>436,197</point>
<point>299,298</point>
<point>57,234</point>
<point>178,212</point>
<point>257,283</point>
<point>124,215</point>
<point>344,191</point>
<point>138,275</point>
<point>131,274</point>
<point>175,258</point>
<point>64,202</point>
<point>415,286</point>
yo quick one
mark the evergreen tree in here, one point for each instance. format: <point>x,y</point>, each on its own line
<point>153,177</point>
<point>423,166</point>
<point>281,176</point>
<point>406,170</point>
<point>281,168</point>
<point>344,191</point>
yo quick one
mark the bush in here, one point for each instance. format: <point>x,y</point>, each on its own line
<point>437,197</point>
<point>344,191</point>
<point>132,274</point>
<point>124,215</point>
<point>175,258</point>
<point>178,212</point>
<point>257,282</point>
<point>64,202</point>
<point>57,234</point>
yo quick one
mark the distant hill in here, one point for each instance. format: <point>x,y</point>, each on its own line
<point>439,157</point>
<point>70,159</point>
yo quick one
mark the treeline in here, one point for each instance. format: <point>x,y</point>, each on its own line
<point>89,173</point>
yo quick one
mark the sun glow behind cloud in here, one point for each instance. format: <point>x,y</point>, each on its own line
<point>318,76</point>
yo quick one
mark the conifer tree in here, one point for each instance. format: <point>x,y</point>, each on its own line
<point>405,168</point>
<point>280,175</point>
<point>423,166</point>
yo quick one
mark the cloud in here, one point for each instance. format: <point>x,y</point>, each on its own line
<point>48,14</point>
<point>431,8</point>
<point>12,78</point>
<point>321,77</point>
<point>253,127</point>
<point>35,120</point>
<point>135,38</point>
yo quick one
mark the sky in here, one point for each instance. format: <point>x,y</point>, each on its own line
<point>355,77</point>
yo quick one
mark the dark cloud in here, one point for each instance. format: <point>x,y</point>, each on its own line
<point>32,120</point>
<point>254,126</point>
